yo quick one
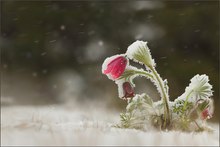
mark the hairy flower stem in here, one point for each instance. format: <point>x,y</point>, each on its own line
<point>145,74</point>
<point>164,97</point>
<point>186,101</point>
<point>199,128</point>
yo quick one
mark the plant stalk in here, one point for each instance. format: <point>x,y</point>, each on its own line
<point>186,101</point>
<point>164,97</point>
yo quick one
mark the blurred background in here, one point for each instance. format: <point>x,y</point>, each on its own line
<point>52,51</point>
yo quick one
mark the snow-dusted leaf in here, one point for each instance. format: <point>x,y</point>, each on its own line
<point>140,102</point>
<point>139,52</point>
<point>140,110</point>
<point>148,100</point>
<point>199,88</point>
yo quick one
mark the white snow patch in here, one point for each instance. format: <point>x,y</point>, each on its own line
<point>76,125</point>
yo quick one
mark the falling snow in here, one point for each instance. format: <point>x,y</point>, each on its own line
<point>62,27</point>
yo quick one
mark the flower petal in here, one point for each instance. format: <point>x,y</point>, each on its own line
<point>114,66</point>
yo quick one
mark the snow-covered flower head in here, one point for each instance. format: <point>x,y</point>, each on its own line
<point>139,52</point>
<point>114,66</point>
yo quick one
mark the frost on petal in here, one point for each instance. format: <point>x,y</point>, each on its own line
<point>114,66</point>
<point>125,89</point>
<point>199,88</point>
<point>139,52</point>
<point>120,87</point>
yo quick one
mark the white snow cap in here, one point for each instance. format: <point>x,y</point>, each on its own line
<point>109,59</point>
<point>139,52</point>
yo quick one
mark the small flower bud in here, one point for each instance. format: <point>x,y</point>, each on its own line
<point>128,90</point>
<point>206,114</point>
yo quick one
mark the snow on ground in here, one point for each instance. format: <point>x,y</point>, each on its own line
<point>64,125</point>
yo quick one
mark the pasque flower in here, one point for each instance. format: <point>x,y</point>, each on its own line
<point>114,66</point>
<point>128,90</point>
<point>194,104</point>
<point>206,114</point>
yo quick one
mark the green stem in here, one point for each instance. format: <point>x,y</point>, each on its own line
<point>164,97</point>
<point>145,73</point>
<point>187,97</point>
<point>197,125</point>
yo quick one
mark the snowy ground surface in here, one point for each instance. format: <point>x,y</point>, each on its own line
<point>65,125</point>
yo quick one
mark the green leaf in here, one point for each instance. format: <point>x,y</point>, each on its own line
<point>179,108</point>
<point>139,52</point>
<point>202,106</point>
<point>138,112</point>
<point>148,100</point>
<point>199,87</point>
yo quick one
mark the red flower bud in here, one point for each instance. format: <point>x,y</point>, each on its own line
<point>206,114</point>
<point>128,90</point>
<point>116,67</point>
